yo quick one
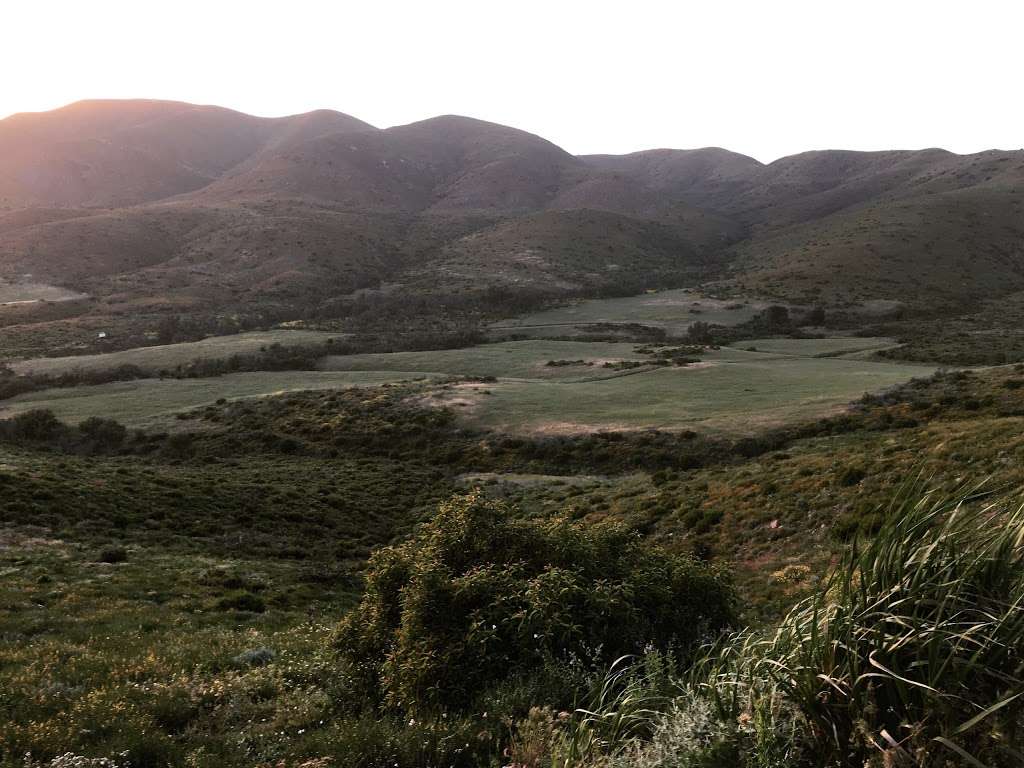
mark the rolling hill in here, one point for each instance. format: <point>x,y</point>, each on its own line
<point>163,204</point>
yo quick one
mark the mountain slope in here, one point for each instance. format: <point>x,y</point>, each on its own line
<point>150,203</point>
<point>114,153</point>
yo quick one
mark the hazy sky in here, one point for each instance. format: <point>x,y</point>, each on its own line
<point>766,78</point>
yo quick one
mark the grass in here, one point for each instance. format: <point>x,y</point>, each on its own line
<point>511,359</point>
<point>736,393</point>
<point>907,654</point>
<point>829,347</point>
<point>154,403</point>
<point>733,391</point>
<point>170,356</point>
<point>261,548</point>
<point>673,310</point>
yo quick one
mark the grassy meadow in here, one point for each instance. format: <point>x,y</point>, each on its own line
<point>731,390</point>
<point>155,403</point>
<point>828,347</point>
<point>672,310</point>
<point>169,356</point>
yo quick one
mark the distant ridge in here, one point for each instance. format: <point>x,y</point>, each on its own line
<point>170,202</point>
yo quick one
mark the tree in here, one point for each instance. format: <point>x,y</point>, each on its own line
<point>815,317</point>
<point>168,329</point>
<point>699,333</point>
<point>776,316</point>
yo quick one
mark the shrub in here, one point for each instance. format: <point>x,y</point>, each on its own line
<point>113,555</point>
<point>104,433</point>
<point>34,426</point>
<point>478,595</point>
<point>850,476</point>
<point>242,601</point>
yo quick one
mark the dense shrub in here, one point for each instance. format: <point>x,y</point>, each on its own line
<point>104,433</point>
<point>477,596</point>
<point>40,428</point>
<point>33,426</point>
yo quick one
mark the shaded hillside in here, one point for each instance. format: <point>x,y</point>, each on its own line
<point>446,164</point>
<point>161,203</point>
<point>578,249</point>
<point>932,251</point>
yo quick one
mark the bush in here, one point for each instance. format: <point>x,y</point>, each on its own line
<point>850,476</point>
<point>113,555</point>
<point>242,601</point>
<point>478,595</point>
<point>34,426</point>
<point>104,433</point>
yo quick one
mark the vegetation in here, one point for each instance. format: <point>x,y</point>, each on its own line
<point>207,575</point>
<point>906,655</point>
<point>478,596</point>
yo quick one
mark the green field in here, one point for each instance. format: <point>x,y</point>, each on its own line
<point>23,293</point>
<point>732,390</point>
<point>833,347</point>
<point>168,356</point>
<point>154,402</point>
<point>672,310</point>
<point>510,359</point>
<point>721,396</point>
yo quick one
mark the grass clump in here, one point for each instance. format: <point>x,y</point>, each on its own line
<point>909,656</point>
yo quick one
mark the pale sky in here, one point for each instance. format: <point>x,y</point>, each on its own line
<point>766,78</point>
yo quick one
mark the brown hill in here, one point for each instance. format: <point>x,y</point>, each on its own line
<point>117,153</point>
<point>148,201</point>
<point>446,164</point>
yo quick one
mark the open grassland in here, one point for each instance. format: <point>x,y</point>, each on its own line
<point>153,403</point>
<point>512,359</point>
<point>25,292</point>
<point>732,390</point>
<point>830,347</point>
<point>674,310</point>
<point>724,395</point>
<point>169,356</point>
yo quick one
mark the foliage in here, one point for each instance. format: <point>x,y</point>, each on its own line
<point>478,595</point>
<point>909,655</point>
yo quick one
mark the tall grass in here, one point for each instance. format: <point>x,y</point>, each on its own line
<point>911,654</point>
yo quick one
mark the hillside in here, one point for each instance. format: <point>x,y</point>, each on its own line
<point>118,153</point>
<point>169,206</point>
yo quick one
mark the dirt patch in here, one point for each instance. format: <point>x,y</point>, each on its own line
<point>11,538</point>
<point>562,428</point>
<point>464,397</point>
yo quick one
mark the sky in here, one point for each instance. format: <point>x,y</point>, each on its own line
<point>768,78</point>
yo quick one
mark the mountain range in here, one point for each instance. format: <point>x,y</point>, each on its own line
<point>172,205</point>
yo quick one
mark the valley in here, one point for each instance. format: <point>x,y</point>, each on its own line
<point>329,445</point>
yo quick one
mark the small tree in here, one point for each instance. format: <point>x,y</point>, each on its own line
<point>105,434</point>
<point>699,333</point>
<point>168,329</point>
<point>776,316</point>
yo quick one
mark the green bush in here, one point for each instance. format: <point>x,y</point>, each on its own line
<point>104,433</point>
<point>478,595</point>
<point>242,601</point>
